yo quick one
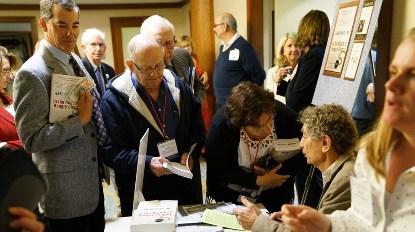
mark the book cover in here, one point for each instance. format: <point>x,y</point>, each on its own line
<point>180,169</point>
<point>155,216</point>
<point>60,107</point>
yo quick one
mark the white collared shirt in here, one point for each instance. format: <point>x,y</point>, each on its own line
<point>230,42</point>
<point>390,211</point>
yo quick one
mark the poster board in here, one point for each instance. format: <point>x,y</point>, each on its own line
<point>340,40</point>
<point>343,90</point>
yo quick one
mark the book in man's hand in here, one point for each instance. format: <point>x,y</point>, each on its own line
<point>180,169</point>
<point>64,94</point>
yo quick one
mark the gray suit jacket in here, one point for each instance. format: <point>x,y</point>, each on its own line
<point>183,65</point>
<point>64,152</point>
<point>335,196</point>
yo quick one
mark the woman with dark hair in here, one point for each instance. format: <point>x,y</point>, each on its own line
<point>8,133</point>
<point>313,32</point>
<point>241,149</point>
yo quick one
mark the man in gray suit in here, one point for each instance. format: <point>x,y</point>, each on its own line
<point>65,152</point>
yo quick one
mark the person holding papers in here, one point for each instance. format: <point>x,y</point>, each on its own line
<point>242,149</point>
<point>329,136</point>
<point>382,186</point>
<point>64,151</point>
<point>141,98</point>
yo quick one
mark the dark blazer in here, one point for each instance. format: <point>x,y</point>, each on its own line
<point>222,160</point>
<point>8,132</point>
<point>182,67</point>
<point>106,69</point>
<point>301,88</point>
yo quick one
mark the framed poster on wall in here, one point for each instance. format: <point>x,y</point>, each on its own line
<point>340,38</point>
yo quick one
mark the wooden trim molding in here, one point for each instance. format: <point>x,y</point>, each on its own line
<point>33,24</point>
<point>384,32</point>
<point>255,20</point>
<point>116,24</point>
<point>102,6</point>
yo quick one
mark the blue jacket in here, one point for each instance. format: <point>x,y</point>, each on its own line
<point>127,118</point>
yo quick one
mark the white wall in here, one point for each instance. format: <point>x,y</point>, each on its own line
<point>289,13</point>
<point>403,20</point>
<point>238,9</point>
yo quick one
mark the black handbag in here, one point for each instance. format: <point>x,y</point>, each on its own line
<point>21,184</point>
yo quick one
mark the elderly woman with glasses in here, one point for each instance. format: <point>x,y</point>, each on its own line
<point>144,98</point>
<point>242,152</point>
<point>8,133</point>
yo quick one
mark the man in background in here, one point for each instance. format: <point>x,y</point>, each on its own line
<point>176,59</point>
<point>237,60</point>
<point>94,47</point>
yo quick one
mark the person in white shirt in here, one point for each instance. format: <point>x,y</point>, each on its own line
<point>383,190</point>
<point>286,61</point>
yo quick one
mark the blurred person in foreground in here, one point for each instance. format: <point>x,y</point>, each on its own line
<point>382,188</point>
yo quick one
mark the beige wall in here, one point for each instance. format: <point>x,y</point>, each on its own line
<point>238,9</point>
<point>101,20</point>
<point>403,20</point>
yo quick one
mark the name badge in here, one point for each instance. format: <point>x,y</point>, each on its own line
<point>234,54</point>
<point>167,148</point>
<point>361,198</point>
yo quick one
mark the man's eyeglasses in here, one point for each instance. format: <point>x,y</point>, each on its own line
<point>217,24</point>
<point>167,44</point>
<point>147,71</point>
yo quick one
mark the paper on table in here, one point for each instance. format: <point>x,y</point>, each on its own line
<point>217,218</point>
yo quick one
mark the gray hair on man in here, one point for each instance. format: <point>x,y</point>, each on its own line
<point>140,41</point>
<point>154,24</point>
<point>229,20</point>
<point>46,7</point>
<point>91,32</point>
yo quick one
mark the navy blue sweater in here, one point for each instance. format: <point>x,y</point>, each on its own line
<point>228,73</point>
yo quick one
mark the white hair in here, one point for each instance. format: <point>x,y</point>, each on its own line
<point>140,41</point>
<point>89,33</point>
<point>154,24</point>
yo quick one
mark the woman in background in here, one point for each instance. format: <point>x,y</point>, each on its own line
<point>313,32</point>
<point>186,43</point>
<point>279,76</point>
<point>8,133</point>
<point>383,187</point>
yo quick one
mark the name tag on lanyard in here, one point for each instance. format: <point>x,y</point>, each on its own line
<point>167,148</point>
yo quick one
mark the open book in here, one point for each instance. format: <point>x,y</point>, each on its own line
<point>180,169</point>
<point>285,149</point>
